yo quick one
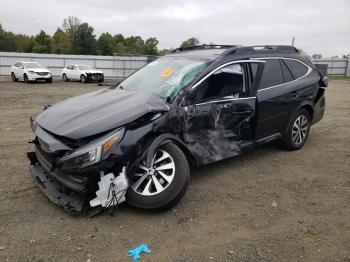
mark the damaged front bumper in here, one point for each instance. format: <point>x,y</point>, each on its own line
<point>77,197</point>
<point>72,201</point>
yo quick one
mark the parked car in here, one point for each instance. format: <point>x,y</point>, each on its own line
<point>84,73</point>
<point>30,72</point>
<point>138,139</point>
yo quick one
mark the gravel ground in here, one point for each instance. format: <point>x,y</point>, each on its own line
<point>267,205</point>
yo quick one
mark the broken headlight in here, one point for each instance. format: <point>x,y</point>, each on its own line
<point>93,152</point>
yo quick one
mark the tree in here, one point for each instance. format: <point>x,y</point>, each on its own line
<point>70,26</point>
<point>24,43</point>
<point>85,40</point>
<point>190,42</point>
<point>60,43</point>
<point>135,44</point>
<point>164,52</point>
<point>42,43</point>
<point>6,42</point>
<point>316,56</point>
<point>105,44</point>
<point>150,47</point>
<point>119,44</point>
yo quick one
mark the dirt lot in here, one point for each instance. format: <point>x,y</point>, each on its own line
<point>226,215</point>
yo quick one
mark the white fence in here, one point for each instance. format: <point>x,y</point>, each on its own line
<point>336,66</point>
<point>122,66</point>
<point>112,66</point>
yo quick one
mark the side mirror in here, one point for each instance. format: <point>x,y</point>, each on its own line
<point>45,67</point>
<point>324,81</point>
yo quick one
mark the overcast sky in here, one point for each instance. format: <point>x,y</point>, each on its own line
<point>319,26</point>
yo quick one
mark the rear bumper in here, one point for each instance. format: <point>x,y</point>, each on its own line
<point>72,201</point>
<point>319,109</point>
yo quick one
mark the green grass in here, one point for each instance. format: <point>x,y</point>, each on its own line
<point>341,78</point>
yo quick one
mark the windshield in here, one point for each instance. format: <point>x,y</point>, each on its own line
<point>84,67</point>
<point>165,77</point>
<point>32,65</point>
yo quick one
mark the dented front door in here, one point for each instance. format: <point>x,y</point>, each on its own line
<point>218,129</point>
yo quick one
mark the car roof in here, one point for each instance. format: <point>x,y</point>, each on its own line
<point>221,51</point>
<point>26,62</point>
<point>200,53</point>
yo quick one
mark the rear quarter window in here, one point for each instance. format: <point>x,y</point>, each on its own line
<point>288,77</point>
<point>272,74</point>
<point>297,68</point>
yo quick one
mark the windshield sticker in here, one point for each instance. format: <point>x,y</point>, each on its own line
<point>167,72</point>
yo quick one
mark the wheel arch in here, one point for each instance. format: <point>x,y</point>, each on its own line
<point>309,108</point>
<point>160,139</point>
<point>306,106</point>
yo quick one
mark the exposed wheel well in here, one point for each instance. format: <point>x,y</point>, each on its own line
<point>190,157</point>
<point>310,110</point>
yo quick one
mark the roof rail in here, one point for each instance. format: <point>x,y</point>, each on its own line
<point>264,49</point>
<point>204,46</point>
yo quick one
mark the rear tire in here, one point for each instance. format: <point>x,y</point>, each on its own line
<point>14,78</point>
<point>161,194</point>
<point>298,130</point>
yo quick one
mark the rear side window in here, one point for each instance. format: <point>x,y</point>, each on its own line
<point>272,74</point>
<point>297,68</point>
<point>287,75</point>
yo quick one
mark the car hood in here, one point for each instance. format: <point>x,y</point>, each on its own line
<point>91,71</point>
<point>98,111</point>
<point>38,70</point>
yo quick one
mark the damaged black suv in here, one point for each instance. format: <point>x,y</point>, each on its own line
<point>137,140</point>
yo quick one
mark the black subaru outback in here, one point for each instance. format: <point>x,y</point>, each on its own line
<point>137,140</point>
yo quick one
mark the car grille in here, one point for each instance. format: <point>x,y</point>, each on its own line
<point>95,77</point>
<point>42,73</point>
<point>45,159</point>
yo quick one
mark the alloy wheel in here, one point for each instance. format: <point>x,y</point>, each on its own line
<point>300,129</point>
<point>154,180</point>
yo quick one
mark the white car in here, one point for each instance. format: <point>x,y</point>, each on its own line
<point>30,71</point>
<point>84,73</point>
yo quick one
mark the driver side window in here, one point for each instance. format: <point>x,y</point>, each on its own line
<point>227,82</point>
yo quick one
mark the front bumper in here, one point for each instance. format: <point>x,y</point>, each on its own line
<point>94,77</point>
<point>72,201</point>
<point>34,77</point>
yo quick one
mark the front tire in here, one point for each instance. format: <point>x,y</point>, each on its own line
<point>25,78</point>
<point>49,80</point>
<point>298,130</point>
<point>101,79</point>
<point>162,186</point>
<point>14,78</point>
<point>65,78</point>
<point>83,79</point>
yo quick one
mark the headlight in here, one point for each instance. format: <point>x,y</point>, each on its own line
<point>93,152</point>
<point>31,72</point>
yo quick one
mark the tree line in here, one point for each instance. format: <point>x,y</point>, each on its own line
<point>78,38</point>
